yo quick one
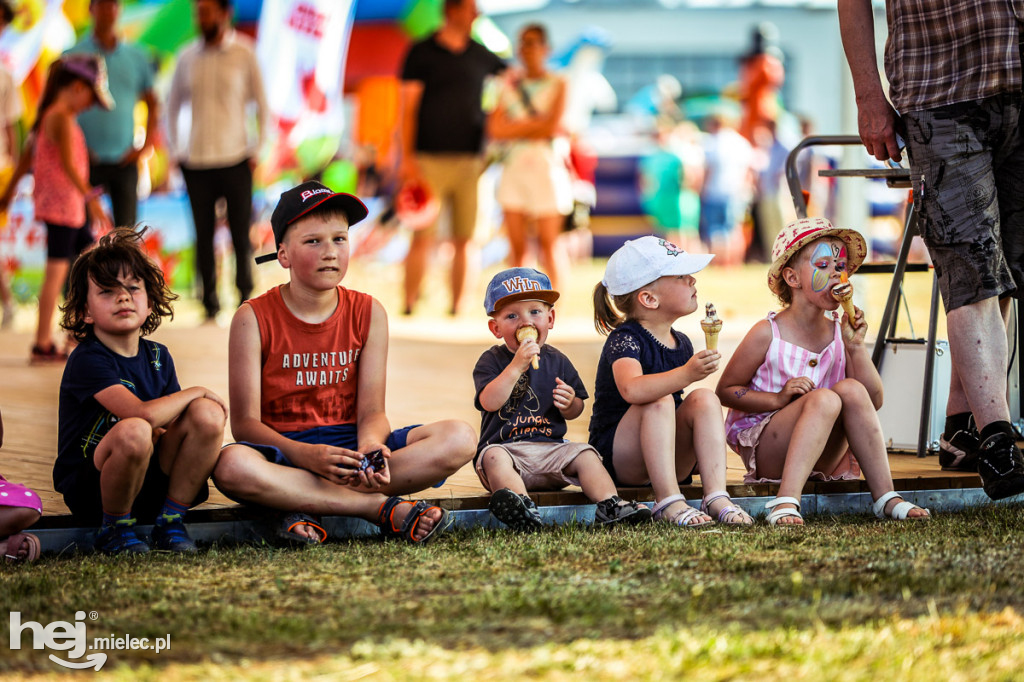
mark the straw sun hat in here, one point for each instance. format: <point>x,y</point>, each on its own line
<point>804,231</point>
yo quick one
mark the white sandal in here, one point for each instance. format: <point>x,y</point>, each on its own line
<point>900,511</point>
<point>681,518</point>
<point>730,509</point>
<point>775,514</point>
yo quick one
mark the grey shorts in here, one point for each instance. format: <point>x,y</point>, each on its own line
<point>540,464</point>
<point>967,170</point>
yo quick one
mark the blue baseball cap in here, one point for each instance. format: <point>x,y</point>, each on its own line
<point>518,284</point>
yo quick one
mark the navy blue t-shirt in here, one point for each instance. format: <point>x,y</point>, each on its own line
<point>451,116</point>
<point>630,340</point>
<point>530,413</point>
<point>92,367</point>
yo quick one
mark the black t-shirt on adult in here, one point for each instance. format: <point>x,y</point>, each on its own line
<point>451,116</point>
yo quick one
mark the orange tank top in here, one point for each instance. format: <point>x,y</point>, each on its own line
<point>310,372</point>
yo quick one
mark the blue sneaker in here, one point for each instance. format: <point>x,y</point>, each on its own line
<point>172,536</point>
<point>120,538</point>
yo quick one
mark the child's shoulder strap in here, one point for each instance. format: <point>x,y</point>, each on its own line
<point>775,327</point>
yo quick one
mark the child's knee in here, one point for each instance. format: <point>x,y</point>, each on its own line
<point>851,390</point>
<point>460,441</point>
<point>492,459</point>
<point>825,401</point>
<point>230,471</point>
<point>704,399</point>
<point>205,417</point>
<point>131,439</point>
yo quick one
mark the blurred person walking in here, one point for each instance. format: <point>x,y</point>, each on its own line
<point>218,77</point>
<point>110,135</point>
<point>727,190</point>
<point>535,185</point>
<point>10,112</point>
<point>442,130</point>
<point>64,200</point>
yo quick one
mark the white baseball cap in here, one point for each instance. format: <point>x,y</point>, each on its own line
<point>641,261</point>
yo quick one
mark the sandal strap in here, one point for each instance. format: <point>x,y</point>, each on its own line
<point>782,500</point>
<point>661,505</point>
<point>705,504</point>
<point>683,517</point>
<point>733,509</point>
<point>776,514</point>
<point>879,506</point>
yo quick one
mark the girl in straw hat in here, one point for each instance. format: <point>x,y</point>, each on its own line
<point>801,387</point>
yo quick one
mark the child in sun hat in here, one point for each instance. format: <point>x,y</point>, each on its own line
<point>801,386</point>
<point>643,424</point>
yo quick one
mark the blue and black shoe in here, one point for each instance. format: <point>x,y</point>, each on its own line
<point>120,538</point>
<point>170,535</point>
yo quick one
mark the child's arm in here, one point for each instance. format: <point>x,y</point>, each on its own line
<point>244,391</point>
<point>372,423</point>
<point>23,167</point>
<point>159,412</point>
<point>638,388</point>
<point>566,400</point>
<point>497,391</point>
<point>858,360</point>
<point>733,387</point>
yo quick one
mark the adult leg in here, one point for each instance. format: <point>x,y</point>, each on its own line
<point>121,184</point>
<point>465,173</point>
<point>979,354</point>
<point>237,190</point>
<point>202,196</point>
<point>515,229</point>
<point>554,257</point>
<point>188,450</point>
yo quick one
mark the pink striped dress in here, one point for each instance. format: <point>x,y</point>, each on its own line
<point>782,362</point>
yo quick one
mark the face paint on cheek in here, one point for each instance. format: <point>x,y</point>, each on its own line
<point>821,276</point>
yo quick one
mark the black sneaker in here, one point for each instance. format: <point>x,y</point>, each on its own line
<point>1001,466</point>
<point>516,511</point>
<point>614,510</point>
<point>173,537</point>
<point>120,538</point>
<point>960,452</point>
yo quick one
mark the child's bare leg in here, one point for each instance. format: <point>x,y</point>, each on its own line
<point>500,471</point>
<point>245,474</point>
<point>700,440</point>
<point>16,519</point>
<point>864,432</point>
<point>53,279</point>
<point>188,450</point>
<point>793,442</point>
<point>432,453</point>
<point>597,485</point>
<point>122,458</point>
<point>645,450</point>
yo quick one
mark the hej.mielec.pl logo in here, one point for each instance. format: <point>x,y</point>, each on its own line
<point>71,637</point>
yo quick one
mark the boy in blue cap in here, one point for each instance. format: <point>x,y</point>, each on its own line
<point>525,391</point>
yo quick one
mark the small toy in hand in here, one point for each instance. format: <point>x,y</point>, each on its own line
<point>371,460</point>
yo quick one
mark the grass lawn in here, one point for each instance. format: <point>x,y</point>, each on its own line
<point>847,598</point>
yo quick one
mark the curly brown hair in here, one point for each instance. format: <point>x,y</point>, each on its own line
<point>119,253</point>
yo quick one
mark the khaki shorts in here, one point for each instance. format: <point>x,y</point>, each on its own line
<point>453,179</point>
<point>541,465</point>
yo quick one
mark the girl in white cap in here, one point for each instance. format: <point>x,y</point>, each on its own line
<point>643,425</point>
<point>803,391</point>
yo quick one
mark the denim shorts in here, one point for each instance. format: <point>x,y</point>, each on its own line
<point>967,171</point>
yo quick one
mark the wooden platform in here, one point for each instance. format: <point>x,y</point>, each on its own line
<point>428,380</point>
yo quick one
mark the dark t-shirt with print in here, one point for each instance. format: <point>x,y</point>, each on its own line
<point>530,413</point>
<point>630,340</point>
<point>92,367</point>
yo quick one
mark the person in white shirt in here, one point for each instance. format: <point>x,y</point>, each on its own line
<point>217,77</point>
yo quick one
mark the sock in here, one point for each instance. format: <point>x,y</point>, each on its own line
<point>172,511</point>
<point>112,519</point>
<point>996,427</point>
<point>960,421</point>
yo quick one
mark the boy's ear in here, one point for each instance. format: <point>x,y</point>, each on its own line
<point>551,318</point>
<point>282,256</point>
<point>87,316</point>
<point>492,324</point>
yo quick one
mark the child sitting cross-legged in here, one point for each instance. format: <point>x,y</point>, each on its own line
<point>130,442</point>
<point>525,391</point>
<point>307,369</point>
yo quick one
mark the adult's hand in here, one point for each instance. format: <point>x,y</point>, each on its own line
<point>878,123</point>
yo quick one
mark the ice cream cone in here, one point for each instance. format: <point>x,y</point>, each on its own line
<point>524,333</point>
<point>711,325</point>
<point>843,292</point>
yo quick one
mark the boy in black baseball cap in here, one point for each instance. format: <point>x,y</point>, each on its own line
<point>306,369</point>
